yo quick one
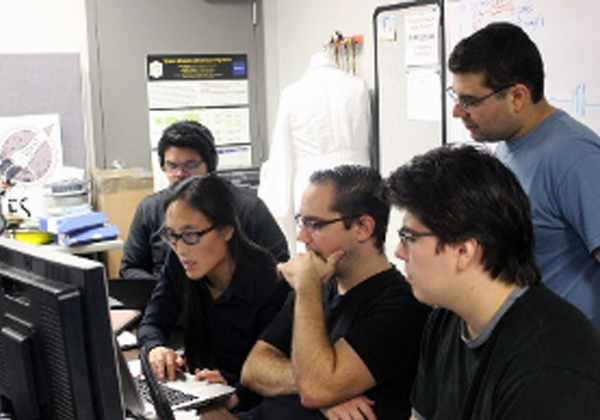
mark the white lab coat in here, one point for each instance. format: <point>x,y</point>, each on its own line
<point>323,120</point>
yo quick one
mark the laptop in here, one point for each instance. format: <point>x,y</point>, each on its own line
<point>144,395</point>
<point>123,319</point>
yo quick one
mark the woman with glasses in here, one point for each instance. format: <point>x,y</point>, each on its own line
<point>223,288</point>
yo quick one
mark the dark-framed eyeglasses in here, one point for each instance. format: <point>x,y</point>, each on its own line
<point>189,237</point>
<point>312,223</point>
<point>187,166</point>
<point>468,102</point>
<point>409,236</point>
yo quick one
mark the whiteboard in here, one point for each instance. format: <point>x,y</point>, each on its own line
<point>565,32</point>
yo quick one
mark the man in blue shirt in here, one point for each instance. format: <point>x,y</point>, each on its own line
<point>498,87</point>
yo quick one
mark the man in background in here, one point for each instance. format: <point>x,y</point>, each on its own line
<point>346,342</point>
<point>499,344</point>
<point>498,87</point>
<point>187,148</point>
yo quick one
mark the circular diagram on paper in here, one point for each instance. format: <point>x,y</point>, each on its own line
<point>27,155</point>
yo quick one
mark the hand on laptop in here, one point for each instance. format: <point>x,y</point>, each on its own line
<point>209,375</point>
<point>214,376</point>
<point>165,363</point>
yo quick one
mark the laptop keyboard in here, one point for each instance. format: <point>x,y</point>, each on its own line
<point>174,396</point>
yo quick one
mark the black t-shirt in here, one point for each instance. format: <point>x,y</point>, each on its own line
<point>541,361</point>
<point>382,321</point>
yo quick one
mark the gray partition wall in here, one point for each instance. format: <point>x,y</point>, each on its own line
<point>123,33</point>
<point>32,84</point>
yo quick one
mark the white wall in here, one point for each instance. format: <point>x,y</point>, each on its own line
<point>43,26</point>
<point>39,26</point>
<point>294,30</point>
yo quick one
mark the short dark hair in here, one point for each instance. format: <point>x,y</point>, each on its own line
<point>358,190</point>
<point>463,192</point>
<point>504,54</point>
<point>188,134</point>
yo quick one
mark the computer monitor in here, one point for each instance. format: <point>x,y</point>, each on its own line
<point>57,353</point>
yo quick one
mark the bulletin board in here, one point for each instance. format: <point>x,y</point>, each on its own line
<point>409,96</point>
<point>566,35</point>
<point>212,89</point>
<point>409,80</point>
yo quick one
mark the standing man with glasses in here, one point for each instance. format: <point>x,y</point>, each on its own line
<point>187,148</point>
<point>499,344</point>
<point>346,342</point>
<point>498,88</point>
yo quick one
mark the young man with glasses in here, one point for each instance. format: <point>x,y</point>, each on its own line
<point>346,341</point>
<point>498,88</point>
<point>187,148</point>
<point>499,344</point>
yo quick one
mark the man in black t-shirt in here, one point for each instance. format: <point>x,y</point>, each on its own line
<point>499,344</point>
<point>347,340</point>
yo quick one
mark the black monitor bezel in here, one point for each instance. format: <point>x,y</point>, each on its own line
<point>87,276</point>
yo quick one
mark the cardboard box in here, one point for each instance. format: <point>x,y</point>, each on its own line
<point>117,193</point>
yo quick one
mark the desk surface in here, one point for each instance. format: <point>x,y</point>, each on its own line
<point>92,248</point>
<point>217,413</point>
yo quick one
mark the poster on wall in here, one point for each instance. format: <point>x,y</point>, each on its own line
<point>30,157</point>
<point>422,63</point>
<point>421,37</point>
<point>212,89</point>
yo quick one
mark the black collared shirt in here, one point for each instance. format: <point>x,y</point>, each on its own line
<point>233,322</point>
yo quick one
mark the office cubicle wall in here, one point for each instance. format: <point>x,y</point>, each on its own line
<point>49,83</point>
